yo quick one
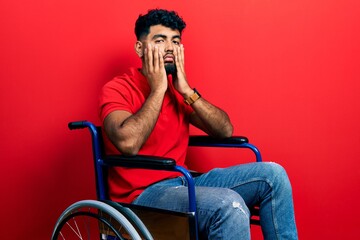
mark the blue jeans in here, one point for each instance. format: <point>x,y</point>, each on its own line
<point>223,196</point>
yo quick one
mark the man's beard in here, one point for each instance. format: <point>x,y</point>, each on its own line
<point>170,68</point>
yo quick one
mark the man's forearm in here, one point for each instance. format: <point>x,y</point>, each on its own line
<point>211,119</point>
<point>207,117</point>
<point>132,133</point>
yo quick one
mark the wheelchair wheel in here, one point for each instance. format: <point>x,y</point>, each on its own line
<point>90,219</point>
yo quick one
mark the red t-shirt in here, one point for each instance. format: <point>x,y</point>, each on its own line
<point>168,139</point>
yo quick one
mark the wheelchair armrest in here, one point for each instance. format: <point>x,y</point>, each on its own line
<point>231,142</point>
<point>210,141</point>
<point>154,163</point>
<point>140,161</point>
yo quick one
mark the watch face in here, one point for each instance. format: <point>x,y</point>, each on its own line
<point>190,100</point>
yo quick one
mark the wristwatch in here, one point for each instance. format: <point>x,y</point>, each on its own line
<point>193,98</point>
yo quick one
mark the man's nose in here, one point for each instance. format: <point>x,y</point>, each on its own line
<point>169,47</point>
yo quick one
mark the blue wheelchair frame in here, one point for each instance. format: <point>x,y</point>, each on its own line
<point>155,163</point>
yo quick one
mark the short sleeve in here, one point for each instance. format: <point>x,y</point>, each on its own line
<point>115,95</point>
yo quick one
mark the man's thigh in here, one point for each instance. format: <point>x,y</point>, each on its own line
<point>248,180</point>
<point>175,197</point>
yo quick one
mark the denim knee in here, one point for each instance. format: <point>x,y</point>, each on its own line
<point>221,200</point>
<point>277,174</point>
<point>231,201</point>
<point>226,215</point>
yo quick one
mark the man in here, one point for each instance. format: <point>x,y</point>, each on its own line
<point>148,111</point>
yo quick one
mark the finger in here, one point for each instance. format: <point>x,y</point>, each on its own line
<point>161,61</point>
<point>178,59</point>
<point>182,54</point>
<point>156,58</point>
<point>149,63</point>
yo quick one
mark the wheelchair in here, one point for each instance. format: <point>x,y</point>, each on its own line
<point>107,220</point>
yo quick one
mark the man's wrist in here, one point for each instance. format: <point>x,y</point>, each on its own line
<point>186,93</point>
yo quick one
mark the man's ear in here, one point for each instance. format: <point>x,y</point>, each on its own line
<point>139,48</point>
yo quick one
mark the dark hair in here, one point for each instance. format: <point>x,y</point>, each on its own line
<point>163,17</point>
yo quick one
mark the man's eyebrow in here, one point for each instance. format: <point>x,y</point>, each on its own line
<point>164,36</point>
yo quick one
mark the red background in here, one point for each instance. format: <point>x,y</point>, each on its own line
<point>287,72</point>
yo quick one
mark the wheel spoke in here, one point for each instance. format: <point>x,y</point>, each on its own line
<point>90,220</point>
<point>74,231</point>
